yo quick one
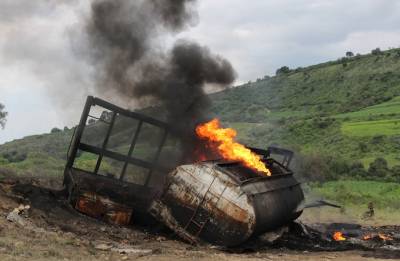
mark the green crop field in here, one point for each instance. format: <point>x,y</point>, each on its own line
<point>371,128</point>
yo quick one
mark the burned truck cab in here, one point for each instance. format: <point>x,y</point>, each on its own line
<point>112,176</point>
<point>109,174</point>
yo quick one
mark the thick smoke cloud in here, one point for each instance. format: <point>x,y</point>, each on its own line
<point>124,39</point>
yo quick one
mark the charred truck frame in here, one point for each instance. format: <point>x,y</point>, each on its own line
<point>216,201</point>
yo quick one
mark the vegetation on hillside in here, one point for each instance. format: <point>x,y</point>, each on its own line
<point>342,118</point>
<point>3,115</point>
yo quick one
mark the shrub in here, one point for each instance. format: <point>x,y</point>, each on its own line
<point>14,156</point>
<point>395,171</point>
<point>376,51</point>
<point>3,115</point>
<point>378,168</point>
<point>357,170</point>
<point>363,147</point>
<point>282,70</point>
<point>55,130</point>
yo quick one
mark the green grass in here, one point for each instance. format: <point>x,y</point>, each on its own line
<point>371,128</point>
<point>391,107</point>
<point>36,164</point>
<point>392,159</point>
<point>348,192</point>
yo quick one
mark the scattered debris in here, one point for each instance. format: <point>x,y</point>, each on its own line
<point>19,214</point>
<point>129,250</point>
<point>103,247</point>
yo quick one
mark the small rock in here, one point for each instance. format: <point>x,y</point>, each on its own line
<point>132,251</point>
<point>103,247</point>
<point>124,258</point>
<point>159,239</point>
<point>14,216</point>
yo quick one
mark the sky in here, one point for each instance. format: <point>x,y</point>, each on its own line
<point>39,62</point>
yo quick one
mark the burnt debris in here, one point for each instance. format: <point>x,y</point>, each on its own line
<point>220,202</point>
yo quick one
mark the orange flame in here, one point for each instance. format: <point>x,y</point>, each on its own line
<point>380,236</point>
<point>384,237</point>
<point>228,148</point>
<point>367,237</point>
<point>338,236</point>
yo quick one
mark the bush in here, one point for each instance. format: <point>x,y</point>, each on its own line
<point>378,139</point>
<point>3,116</point>
<point>363,147</point>
<point>55,130</point>
<point>357,170</point>
<point>396,173</point>
<point>14,156</point>
<point>376,51</point>
<point>282,70</point>
<point>378,168</point>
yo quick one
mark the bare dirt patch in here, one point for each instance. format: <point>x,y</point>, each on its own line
<point>52,230</point>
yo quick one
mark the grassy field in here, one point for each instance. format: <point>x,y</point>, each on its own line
<point>354,196</point>
<point>392,159</point>
<point>371,128</point>
<point>356,192</point>
<point>391,108</point>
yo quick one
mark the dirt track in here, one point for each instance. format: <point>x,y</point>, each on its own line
<point>52,230</point>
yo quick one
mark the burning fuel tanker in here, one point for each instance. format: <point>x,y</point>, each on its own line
<point>225,202</point>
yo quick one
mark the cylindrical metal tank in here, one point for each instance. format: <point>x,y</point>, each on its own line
<point>225,203</point>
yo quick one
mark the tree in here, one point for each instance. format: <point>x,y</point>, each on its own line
<point>3,116</point>
<point>282,70</point>
<point>349,54</point>
<point>55,130</point>
<point>376,51</point>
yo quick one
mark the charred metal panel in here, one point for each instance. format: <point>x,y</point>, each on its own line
<point>100,207</point>
<point>129,194</point>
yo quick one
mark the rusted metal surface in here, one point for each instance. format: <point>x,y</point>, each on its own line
<point>100,207</point>
<point>205,202</point>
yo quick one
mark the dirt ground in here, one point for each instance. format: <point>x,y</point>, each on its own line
<point>52,230</point>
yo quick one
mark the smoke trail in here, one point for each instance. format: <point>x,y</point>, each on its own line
<point>124,37</point>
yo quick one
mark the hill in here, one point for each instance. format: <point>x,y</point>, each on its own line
<point>346,110</point>
<point>346,85</point>
<point>336,115</point>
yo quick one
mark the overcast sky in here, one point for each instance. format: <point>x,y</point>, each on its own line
<point>38,63</point>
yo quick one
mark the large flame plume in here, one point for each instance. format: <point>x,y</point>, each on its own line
<point>228,148</point>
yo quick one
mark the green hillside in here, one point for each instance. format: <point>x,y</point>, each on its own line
<point>340,117</point>
<point>346,85</point>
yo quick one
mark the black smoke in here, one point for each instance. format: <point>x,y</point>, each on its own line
<point>128,39</point>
